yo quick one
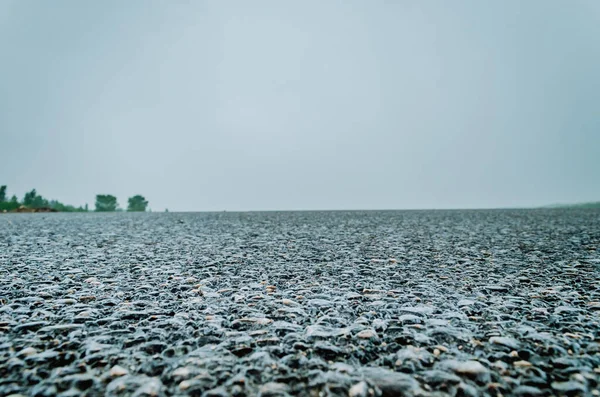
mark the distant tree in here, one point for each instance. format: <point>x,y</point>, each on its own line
<point>34,200</point>
<point>85,208</point>
<point>29,197</point>
<point>57,205</point>
<point>137,203</point>
<point>13,204</point>
<point>106,203</point>
<point>4,204</point>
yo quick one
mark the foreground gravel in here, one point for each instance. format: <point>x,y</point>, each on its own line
<point>417,303</point>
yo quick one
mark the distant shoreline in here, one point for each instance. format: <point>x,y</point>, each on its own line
<point>549,207</point>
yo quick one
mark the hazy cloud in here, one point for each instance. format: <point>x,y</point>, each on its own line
<point>302,105</point>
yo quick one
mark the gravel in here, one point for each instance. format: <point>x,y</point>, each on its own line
<point>414,303</point>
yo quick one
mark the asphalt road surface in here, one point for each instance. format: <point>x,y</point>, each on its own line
<point>423,303</point>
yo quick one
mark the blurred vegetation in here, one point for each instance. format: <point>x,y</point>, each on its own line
<point>106,203</point>
<point>594,204</point>
<point>137,203</point>
<point>8,205</point>
<point>34,202</point>
<point>585,205</point>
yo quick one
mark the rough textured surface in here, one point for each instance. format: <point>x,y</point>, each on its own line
<point>420,303</point>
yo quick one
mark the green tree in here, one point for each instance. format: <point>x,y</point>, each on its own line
<point>137,203</point>
<point>57,205</point>
<point>29,197</point>
<point>106,203</point>
<point>5,205</point>
<point>34,200</point>
<point>13,204</point>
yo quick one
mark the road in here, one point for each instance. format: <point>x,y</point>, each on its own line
<point>423,303</point>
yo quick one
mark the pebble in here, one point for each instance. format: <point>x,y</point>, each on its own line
<point>469,368</point>
<point>117,370</point>
<point>392,383</point>
<point>437,377</point>
<point>505,341</point>
<point>527,391</point>
<point>367,334</point>
<point>522,364</point>
<point>569,387</point>
<point>26,352</point>
<point>273,389</point>
<point>360,389</point>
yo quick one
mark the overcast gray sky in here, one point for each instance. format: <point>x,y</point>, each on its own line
<point>268,105</point>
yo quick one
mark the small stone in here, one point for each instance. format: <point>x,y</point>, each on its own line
<point>84,314</point>
<point>466,390</point>
<point>184,385</point>
<point>392,383</point>
<point>437,377</point>
<point>360,389</point>
<point>117,370</point>
<point>379,324</point>
<point>367,334</point>
<point>320,302</point>
<point>182,372</point>
<point>32,326</point>
<point>527,391</point>
<point>67,301</point>
<point>273,389</point>
<point>465,302</point>
<point>579,378</point>
<point>496,288</point>
<point>217,392</point>
<point>61,329</point>
<point>319,331</point>
<point>569,387</point>
<point>418,310</point>
<point>504,341</point>
<point>246,321</point>
<point>328,350</point>
<point>410,319</point>
<point>522,364</point>
<point>469,368</point>
<point>271,341</point>
<point>26,352</point>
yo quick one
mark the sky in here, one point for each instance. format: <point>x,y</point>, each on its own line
<point>302,105</point>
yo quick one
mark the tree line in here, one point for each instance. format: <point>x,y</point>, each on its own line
<point>34,201</point>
